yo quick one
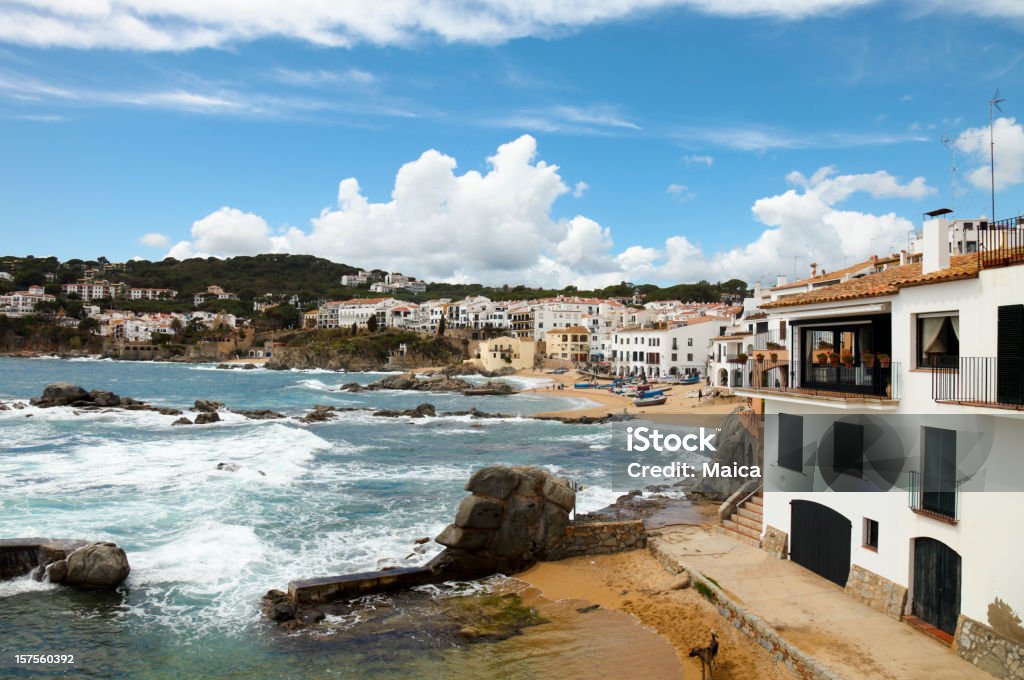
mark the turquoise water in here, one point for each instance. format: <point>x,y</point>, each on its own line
<point>204,545</point>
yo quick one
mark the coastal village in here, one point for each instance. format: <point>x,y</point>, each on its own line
<point>886,396</point>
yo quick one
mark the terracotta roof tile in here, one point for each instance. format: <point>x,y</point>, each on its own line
<point>883,283</point>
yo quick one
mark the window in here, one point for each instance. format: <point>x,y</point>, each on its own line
<point>689,342</point>
<point>938,482</point>
<point>791,442</point>
<point>938,340</point>
<point>673,356</point>
<point>848,448</point>
<point>689,357</point>
<point>871,534</point>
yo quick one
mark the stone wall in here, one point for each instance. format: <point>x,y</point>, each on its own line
<point>877,592</point>
<point>600,538</point>
<point>775,542</point>
<point>802,665</point>
<point>988,650</point>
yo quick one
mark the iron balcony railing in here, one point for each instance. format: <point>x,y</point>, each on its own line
<point>979,381</point>
<point>859,381</point>
<point>930,497</point>
<point>1001,243</point>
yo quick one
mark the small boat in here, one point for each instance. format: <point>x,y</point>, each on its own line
<point>584,386</point>
<point>650,401</point>
<point>692,380</point>
<point>652,393</point>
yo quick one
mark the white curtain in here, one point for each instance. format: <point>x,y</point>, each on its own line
<point>930,330</point>
<point>955,320</point>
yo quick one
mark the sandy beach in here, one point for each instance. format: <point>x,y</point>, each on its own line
<point>634,582</point>
<point>682,399</point>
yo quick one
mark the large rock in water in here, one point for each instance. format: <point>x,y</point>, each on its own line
<point>516,516</point>
<point>96,566</point>
<point>62,394</point>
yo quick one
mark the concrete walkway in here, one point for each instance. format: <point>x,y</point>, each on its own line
<point>814,614</point>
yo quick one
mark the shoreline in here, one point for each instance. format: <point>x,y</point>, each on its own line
<point>635,583</point>
<point>680,401</point>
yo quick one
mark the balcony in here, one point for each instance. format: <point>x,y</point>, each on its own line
<point>860,382</point>
<point>1001,243</point>
<point>770,341</point>
<point>934,500</point>
<point>979,381</point>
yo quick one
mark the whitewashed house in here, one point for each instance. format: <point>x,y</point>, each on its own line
<point>895,470</point>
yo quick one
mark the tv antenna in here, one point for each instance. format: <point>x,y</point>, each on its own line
<point>949,142</point>
<point>993,104</point>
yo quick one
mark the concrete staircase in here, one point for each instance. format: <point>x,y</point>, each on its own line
<point>745,525</point>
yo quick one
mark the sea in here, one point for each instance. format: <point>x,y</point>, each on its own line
<point>348,495</point>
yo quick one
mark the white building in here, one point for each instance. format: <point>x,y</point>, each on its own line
<point>344,313</point>
<point>356,280</point>
<point>151,294</point>
<point>6,276</point>
<point>23,301</point>
<point>89,289</point>
<point>898,470</point>
<point>212,293</point>
<point>662,350</point>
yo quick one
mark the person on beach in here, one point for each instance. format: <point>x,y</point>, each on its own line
<point>700,395</point>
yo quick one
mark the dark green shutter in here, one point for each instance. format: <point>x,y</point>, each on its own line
<point>1010,355</point>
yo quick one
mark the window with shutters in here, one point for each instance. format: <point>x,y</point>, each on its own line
<point>938,340</point>
<point>1010,355</point>
<point>848,448</point>
<point>791,442</point>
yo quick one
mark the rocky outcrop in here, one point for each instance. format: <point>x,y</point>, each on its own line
<point>92,566</point>
<point>515,517</point>
<point>421,411</point>
<point>99,566</point>
<point>588,420</point>
<point>207,417</point>
<point>66,394</point>
<point>409,381</point>
<point>734,445</point>
<point>261,414</point>
<point>208,406</point>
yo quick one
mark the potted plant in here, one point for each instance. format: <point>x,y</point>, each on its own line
<point>759,356</point>
<point>883,359</point>
<point>847,359</point>
<point>868,359</point>
<point>823,358</point>
<point>833,358</point>
<point>741,358</point>
<point>774,356</point>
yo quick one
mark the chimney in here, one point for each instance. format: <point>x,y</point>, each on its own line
<point>903,256</point>
<point>935,255</point>
<point>814,269</point>
<point>781,281</point>
<point>757,290</point>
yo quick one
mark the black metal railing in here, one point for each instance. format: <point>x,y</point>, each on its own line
<point>931,498</point>
<point>981,381</point>
<point>859,381</point>
<point>1001,243</point>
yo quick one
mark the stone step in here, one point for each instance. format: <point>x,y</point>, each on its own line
<point>742,521</point>
<point>750,513</point>
<point>737,536</point>
<point>755,501</point>
<point>746,530</point>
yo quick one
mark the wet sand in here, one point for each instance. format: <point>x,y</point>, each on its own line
<point>634,582</point>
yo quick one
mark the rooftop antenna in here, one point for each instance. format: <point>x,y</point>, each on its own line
<point>949,142</point>
<point>993,103</point>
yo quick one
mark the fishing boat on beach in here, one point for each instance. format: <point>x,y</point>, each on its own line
<point>650,401</point>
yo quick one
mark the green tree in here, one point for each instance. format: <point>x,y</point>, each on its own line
<point>441,326</point>
<point>371,323</point>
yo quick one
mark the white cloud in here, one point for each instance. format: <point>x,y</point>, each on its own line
<point>763,138</point>
<point>319,77</point>
<point>680,192</point>
<point>596,119</point>
<point>228,231</point>
<point>698,159</point>
<point>580,189</point>
<point>1009,153</point>
<point>178,25</point>
<point>496,226</point>
<point>155,240</point>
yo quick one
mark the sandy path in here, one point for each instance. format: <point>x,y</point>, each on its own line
<point>634,582</point>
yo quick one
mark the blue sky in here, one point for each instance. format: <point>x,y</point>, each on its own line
<point>698,129</point>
